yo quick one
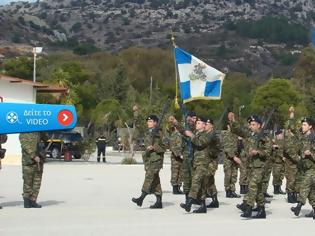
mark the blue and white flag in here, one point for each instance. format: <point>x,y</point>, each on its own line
<point>197,79</point>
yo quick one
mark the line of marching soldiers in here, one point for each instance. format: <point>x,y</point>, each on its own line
<point>195,149</point>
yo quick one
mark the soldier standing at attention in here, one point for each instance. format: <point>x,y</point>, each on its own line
<point>259,148</point>
<point>306,149</point>
<point>32,167</point>
<point>3,139</point>
<point>101,147</point>
<point>176,160</point>
<point>153,162</point>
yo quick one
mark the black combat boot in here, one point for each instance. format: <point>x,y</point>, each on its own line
<point>248,212</point>
<point>187,204</point>
<point>215,202</point>
<point>313,213</point>
<point>267,195</point>
<point>27,202</point>
<point>104,159</point>
<point>241,206</point>
<point>140,199</point>
<point>277,190</point>
<point>98,159</point>
<point>202,208</point>
<point>228,194</point>
<point>291,198</point>
<point>176,190</point>
<point>295,197</point>
<point>261,214</point>
<point>235,195</point>
<point>34,204</point>
<point>158,203</point>
<point>310,214</point>
<point>246,189</point>
<point>296,210</point>
<point>242,189</point>
<point>0,207</point>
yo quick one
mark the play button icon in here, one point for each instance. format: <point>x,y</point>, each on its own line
<point>65,117</point>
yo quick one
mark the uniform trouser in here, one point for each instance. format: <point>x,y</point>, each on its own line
<point>307,190</point>
<point>211,188</point>
<point>187,175</point>
<point>100,151</point>
<point>176,170</point>
<point>266,176</point>
<point>243,170</point>
<point>277,173</point>
<point>299,180</point>
<point>198,182</point>
<point>32,179</point>
<point>152,183</point>
<point>290,172</point>
<point>255,191</point>
<point>230,174</point>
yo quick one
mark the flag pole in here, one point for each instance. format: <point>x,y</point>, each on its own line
<point>176,103</point>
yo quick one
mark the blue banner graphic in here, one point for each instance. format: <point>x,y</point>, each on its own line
<point>21,118</point>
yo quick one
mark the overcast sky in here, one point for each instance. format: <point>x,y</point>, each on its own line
<point>3,2</point>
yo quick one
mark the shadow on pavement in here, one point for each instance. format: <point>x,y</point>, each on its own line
<point>51,203</point>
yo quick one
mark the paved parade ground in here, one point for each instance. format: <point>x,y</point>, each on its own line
<point>89,198</point>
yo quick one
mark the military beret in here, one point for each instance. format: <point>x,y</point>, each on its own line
<point>254,118</point>
<point>152,117</point>
<point>209,120</point>
<point>199,118</point>
<point>308,120</point>
<point>191,113</point>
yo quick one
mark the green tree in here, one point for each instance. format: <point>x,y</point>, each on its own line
<point>21,67</point>
<point>276,93</point>
<point>120,83</point>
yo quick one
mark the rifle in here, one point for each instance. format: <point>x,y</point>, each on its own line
<point>261,134</point>
<point>186,126</point>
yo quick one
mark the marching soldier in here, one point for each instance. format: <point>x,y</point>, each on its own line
<point>176,160</point>
<point>200,141</point>
<point>214,149</point>
<point>259,148</point>
<point>231,162</point>
<point>33,156</point>
<point>153,162</point>
<point>278,162</point>
<point>306,149</point>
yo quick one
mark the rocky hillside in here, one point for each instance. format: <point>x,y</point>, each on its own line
<point>117,24</point>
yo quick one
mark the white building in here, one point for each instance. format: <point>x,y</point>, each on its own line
<point>17,90</point>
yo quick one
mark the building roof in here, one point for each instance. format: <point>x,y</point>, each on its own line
<point>40,87</point>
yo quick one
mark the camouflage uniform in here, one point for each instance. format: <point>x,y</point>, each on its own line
<point>176,160</point>
<point>153,162</point>
<point>243,180</point>
<point>278,163</point>
<point>32,171</point>
<point>229,141</point>
<point>200,143</point>
<point>307,190</point>
<point>214,148</point>
<point>256,164</point>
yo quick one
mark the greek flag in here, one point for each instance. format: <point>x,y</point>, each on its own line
<point>197,79</point>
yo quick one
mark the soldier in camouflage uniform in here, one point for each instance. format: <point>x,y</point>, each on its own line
<point>153,162</point>
<point>188,153</point>
<point>259,148</point>
<point>231,162</point>
<point>175,143</point>
<point>214,149</point>
<point>244,166</point>
<point>32,167</point>
<point>306,150</point>
<point>278,162</point>
<point>200,141</point>
<point>3,139</point>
